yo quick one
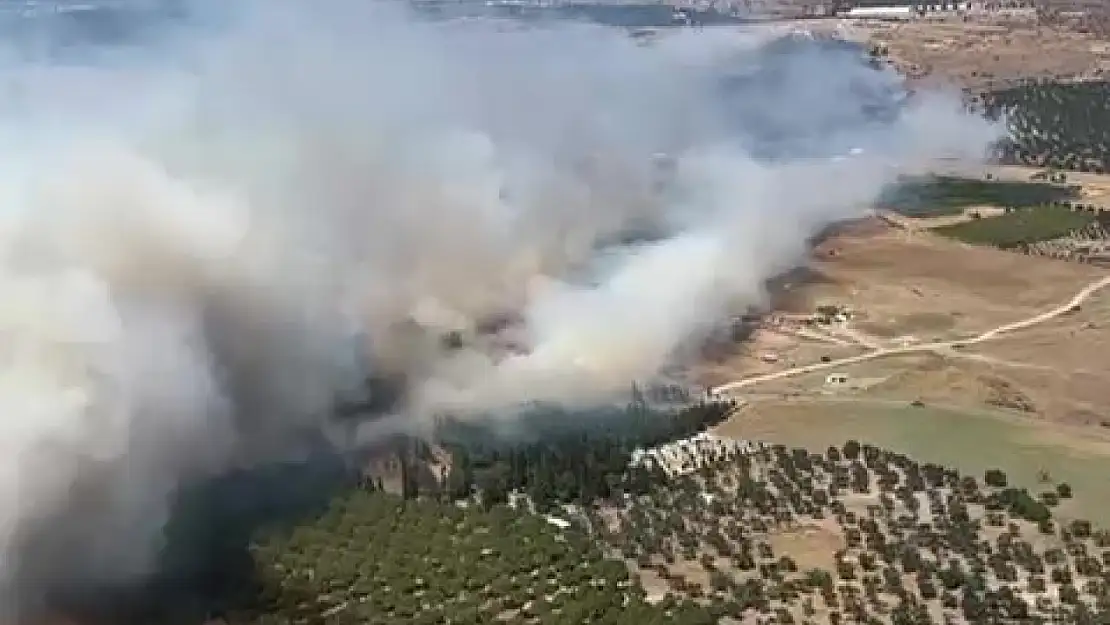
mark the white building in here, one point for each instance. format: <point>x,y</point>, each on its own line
<point>557,522</point>
<point>881,13</point>
<point>689,454</point>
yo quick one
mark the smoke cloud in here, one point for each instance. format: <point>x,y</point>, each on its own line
<point>207,240</point>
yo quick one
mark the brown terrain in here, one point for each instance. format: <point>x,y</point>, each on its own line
<point>906,287</point>
<point>987,50</point>
<point>982,55</point>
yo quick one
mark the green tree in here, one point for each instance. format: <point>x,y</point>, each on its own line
<point>995,478</point>
<point>852,450</point>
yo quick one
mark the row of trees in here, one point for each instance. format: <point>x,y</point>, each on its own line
<point>1053,124</point>
<point>375,558</point>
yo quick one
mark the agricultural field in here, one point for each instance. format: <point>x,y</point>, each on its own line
<point>376,558</point>
<point>1060,125</point>
<point>949,195</point>
<point>1018,228</point>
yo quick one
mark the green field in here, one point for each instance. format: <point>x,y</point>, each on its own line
<point>935,196</point>
<point>970,442</point>
<point>1019,227</point>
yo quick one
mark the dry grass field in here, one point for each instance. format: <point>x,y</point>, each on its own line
<point>904,284</point>
<point>919,287</point>
<point>987,51</point>
<point>1034,399</point>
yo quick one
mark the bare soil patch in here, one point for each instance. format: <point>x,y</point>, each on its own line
<point>968,214</point>
<point>892,274</point>
<point>767,351</point>
<point>1062,366</point>
<point>988,52</point>
<point>810,546</point>
<point>1073,398</point>
<point>934,379</point>
<point>913,324</point>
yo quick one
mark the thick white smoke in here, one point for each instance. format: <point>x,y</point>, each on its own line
<point>203,244</point>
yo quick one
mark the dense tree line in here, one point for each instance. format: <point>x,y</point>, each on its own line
<point>559,456</point>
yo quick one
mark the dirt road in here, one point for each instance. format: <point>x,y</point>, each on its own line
<point>1062,309</point>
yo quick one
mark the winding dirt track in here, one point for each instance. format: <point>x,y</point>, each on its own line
<point>1062,309</point>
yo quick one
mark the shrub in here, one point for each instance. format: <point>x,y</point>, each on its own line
<point>995,478</point>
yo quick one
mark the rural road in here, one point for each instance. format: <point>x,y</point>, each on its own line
<point>1076,300</point>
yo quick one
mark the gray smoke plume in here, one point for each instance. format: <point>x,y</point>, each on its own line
<point>205,241</point>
